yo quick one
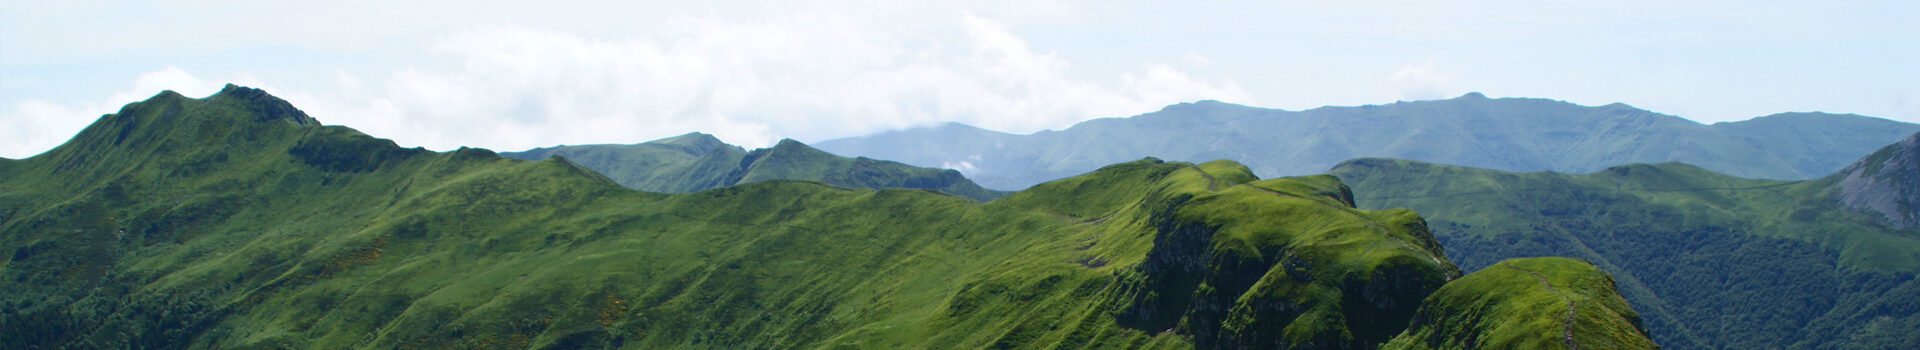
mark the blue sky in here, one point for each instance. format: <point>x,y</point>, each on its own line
<point>512,75</point>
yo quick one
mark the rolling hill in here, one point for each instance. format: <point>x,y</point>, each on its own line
<point>1512,134</point>
<point>237,221</point>
<point>697,161</point>
<point>1713,261</point>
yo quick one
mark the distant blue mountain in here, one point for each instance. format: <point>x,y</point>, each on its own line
<point>1512,134</point>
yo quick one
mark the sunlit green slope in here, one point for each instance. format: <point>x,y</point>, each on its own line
<point>1527,303</point>
<point>697,161</point>
<point>1713,261</point>
<point>235,221</point>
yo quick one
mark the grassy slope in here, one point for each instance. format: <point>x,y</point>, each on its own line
<point>695,161</point>
<point>1713,260</point>
<point>1516,134</point>
<point>235,222</point>
<point>1527,303</point>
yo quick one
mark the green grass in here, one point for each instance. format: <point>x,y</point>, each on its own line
<point>1527,303</point>
<point>236,222</point>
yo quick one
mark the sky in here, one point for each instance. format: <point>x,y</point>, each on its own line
<point>514,75</point>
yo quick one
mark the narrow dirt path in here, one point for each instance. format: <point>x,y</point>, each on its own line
<point>1212,184</point>
<point>1566,329</point>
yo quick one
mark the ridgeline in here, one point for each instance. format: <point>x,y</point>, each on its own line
<point>697,161</point>
<point>236,221</point>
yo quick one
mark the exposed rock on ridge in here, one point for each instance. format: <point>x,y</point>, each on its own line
<point>1886,183</point>
<point>265,106</point>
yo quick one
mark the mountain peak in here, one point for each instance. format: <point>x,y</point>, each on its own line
<point>693,136</point>
<point>789,150</point>
<point>788,143</point>
<point>695,143</point>
<point>264,106</point>
<point>1886,182</point>
<point>1476,95</point>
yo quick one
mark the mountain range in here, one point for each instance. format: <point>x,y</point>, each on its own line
<point>1712,260</point>
<point>1512,134</point>
<point>697,161</point>
<point>237,221</point>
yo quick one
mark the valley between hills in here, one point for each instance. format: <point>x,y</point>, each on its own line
<point>238,221</point>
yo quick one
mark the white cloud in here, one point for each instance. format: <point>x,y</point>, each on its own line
<point>965,167</point>
<point>810,77</point>
<point>1420,81</point>
<point>507,75</point>
<point>523,74</point>
<point>33,126</point>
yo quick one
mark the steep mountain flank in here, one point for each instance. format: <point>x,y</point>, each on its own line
<point>697,161</point>
<point>1886,183</point>
<point>181,222</point>
<point>1712,261</point>
<point>1513,134</point>
<point>1527,303</point>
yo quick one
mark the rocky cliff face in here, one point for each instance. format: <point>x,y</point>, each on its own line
<point>1886,183</point>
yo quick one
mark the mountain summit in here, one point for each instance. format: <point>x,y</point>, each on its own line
<point>1885,183</point>
<point>265,106</point>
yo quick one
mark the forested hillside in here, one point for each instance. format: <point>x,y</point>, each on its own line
<point>1713,261</point>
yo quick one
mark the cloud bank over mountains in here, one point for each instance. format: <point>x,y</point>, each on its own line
<point>808,76</point>
<point>514,75</point>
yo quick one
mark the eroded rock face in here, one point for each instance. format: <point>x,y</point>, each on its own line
<point>1886,183</point>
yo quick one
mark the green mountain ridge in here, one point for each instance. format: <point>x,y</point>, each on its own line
<point>1713,261</point>
<point>697,161</point>
<point>1463,315</point>
<point>227,222</point>
<point>1513,134</point>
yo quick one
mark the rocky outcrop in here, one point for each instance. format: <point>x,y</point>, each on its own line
<point>1886,183</point>
<point>264,106</point>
